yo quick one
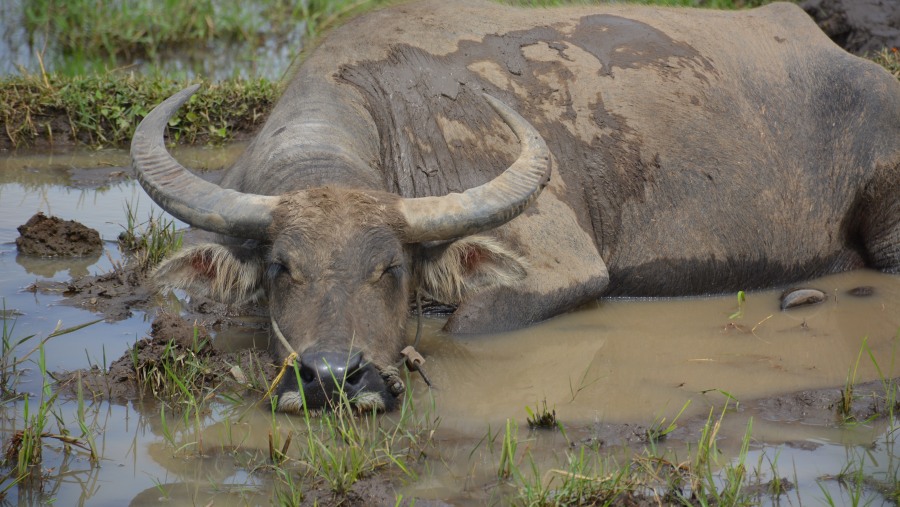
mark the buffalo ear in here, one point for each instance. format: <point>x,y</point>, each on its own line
<point>450,271</point>
<point>228,274</point>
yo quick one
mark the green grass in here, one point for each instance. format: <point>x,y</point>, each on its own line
<point>148,243</point>
<point>344,445</point>
<point>651,475</point>
<point>12,357</point>
<point>542,418</point>
<point>593,476</point>
<point>889,59</point>
<point>660,428</point>
<point>330,450</point>
<point>9,356</point>
<point>23,454</point>
<point>104,109</point>
<point>107,30</point>
<point>178,374</point>
<point>711,4</point>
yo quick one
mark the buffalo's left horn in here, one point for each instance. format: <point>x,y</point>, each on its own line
<point>185,196</point>
<point>491,204</point>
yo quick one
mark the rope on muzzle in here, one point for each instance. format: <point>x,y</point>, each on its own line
<point>390,373</point>
<point>411,356</point>
<point>287,363</point>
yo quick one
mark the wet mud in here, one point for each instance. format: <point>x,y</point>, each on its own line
<point>45,236</point>
<point>865,402</point>
<point>172,336</point>
<point>113,295</point>
<point>117,294</point>
<point>828,407</point>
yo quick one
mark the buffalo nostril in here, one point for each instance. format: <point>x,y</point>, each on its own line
<point>327,378</point>
<point>355,376</point>
<point>307,373</point>
<point>331,369</point>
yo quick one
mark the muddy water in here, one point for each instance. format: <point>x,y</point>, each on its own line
<point>617,359</point>
<point>615,362</point>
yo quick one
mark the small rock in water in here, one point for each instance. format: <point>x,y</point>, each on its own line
<point>793,298</point>
<point>862,291</point>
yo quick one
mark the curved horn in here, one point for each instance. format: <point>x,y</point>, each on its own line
<point>187,197</point>
<point>491,204</point>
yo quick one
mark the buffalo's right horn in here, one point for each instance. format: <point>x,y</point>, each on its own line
<point>491,204</point>
<point>185,196</point>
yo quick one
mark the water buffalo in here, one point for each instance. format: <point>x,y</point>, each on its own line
<point>692,152</point>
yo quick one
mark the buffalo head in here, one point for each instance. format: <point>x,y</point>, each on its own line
<point>335,265</point>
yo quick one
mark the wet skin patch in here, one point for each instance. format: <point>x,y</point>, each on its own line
<point>431,159</point>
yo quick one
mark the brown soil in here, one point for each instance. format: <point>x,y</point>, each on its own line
<point>825,407</point>
<point>859,26</point>
<point>817,407</point>
<point>45,236</point>
<point>112,295</point>
<point>171,337</point>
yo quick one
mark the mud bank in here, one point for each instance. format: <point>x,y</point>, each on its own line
<point>174,339</point>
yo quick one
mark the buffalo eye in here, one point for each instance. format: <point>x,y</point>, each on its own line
<point>275,269</point>
<point>382,271</point>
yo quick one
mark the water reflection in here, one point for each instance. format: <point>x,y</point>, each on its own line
<point>47,267</point>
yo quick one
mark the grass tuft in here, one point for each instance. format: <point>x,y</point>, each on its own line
<point>542,418</point>
<point>150,242</point>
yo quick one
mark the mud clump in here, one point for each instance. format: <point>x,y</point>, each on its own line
<point>173,343</point>
<point>171,328</point>
<point>45,236</point>
<point>859,26</point>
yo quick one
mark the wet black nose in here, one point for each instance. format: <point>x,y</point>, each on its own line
<point>326,375</point>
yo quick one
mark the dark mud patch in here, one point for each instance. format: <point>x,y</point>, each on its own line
<point>173,340</point>
<point>45,236</point>
<point>113,295</point>
<point>616,435</point>
<point>831,407</point>
<point>859,26</point>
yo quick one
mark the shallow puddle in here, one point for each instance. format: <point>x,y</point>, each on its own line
<point>616,362</point>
